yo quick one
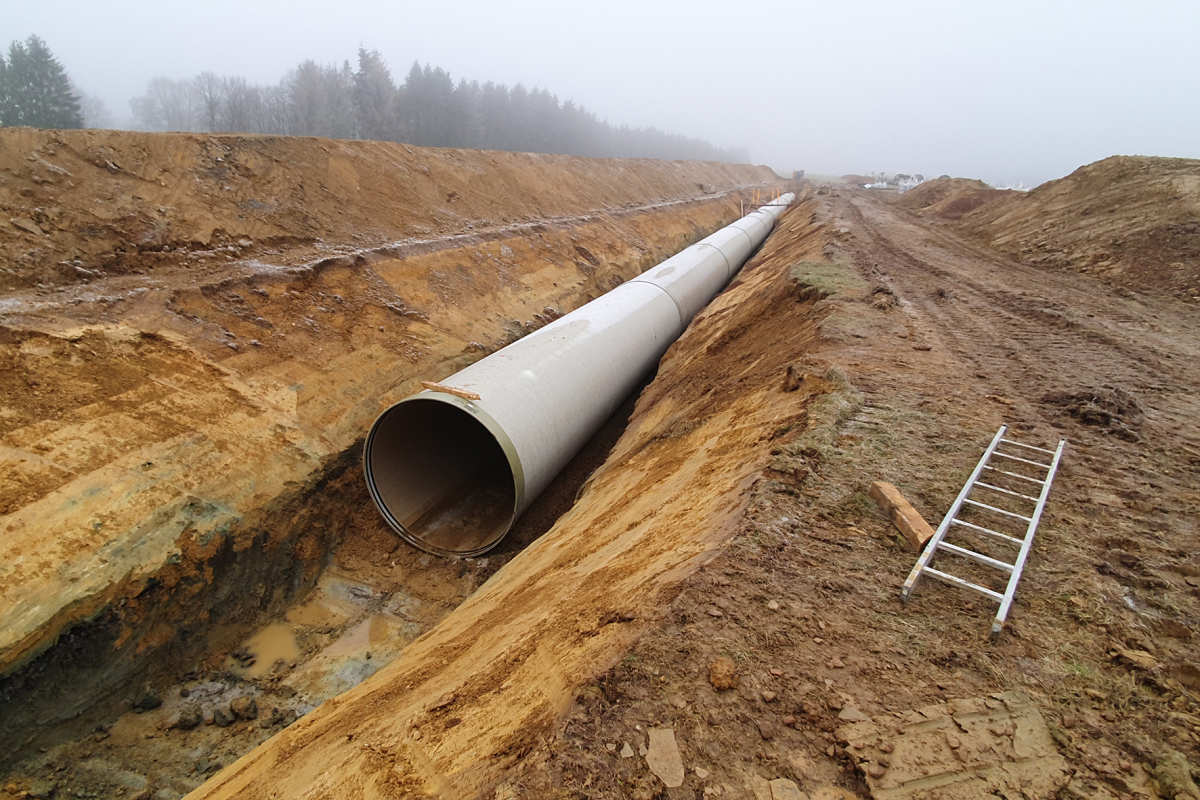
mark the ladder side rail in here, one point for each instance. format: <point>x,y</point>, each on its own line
<point>1019,564</point>
<point>932,547</point>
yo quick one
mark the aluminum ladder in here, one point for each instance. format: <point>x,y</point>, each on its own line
<point>951,520</point>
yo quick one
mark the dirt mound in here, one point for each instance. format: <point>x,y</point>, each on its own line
<point>857,180</point>
<point>75,205</point>
<point>1132,220</point>
<point>949,198</point>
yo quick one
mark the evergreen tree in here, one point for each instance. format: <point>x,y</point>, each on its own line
<point>375,98</point>
<point>35,89</point>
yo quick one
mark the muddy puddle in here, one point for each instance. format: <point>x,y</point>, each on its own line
<point>374,597</point>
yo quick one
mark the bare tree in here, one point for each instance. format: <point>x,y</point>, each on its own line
<point>275,109</point>
<point>210,92</point>
<point>167,105</point>
<point>236,107</point>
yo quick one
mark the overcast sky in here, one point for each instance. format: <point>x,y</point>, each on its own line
<point>1004,91</point>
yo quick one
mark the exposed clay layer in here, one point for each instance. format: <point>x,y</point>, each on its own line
<point>168,435</point>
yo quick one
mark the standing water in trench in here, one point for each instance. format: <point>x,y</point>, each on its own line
<point>375,596</point>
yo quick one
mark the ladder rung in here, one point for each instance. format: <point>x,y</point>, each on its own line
<point>997,534</point>
<point>1022,460</point>
<point>959,582</point>
<point>1006,491</point>
<point>998,510</point>
<point>980,557</point>
<point>1017,475</point>
<point>1028,446</point>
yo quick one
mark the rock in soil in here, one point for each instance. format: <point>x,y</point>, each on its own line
<point>722,673</point>
<point>147,700</point>
<point>663,757</point>
<point>783,789</point>
<point>188,719</point>
<point>42,789</point>
<point>1174,775</point>
<point>968,748</point>
<point>244,708</point>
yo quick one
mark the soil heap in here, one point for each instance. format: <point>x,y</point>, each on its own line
<point>950,198</point>
<point>1132,220</point>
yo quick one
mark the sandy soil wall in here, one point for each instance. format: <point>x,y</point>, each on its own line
<point>169,422</point>
<point>75,205</point>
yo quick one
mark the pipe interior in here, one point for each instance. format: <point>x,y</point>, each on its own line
<point>440,477</point>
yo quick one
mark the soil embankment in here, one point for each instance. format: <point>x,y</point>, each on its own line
<point>949,198</point>
<point>213,323</point>
<point>1132,221</point>
<point>77,205</point>
<point>829,682</point>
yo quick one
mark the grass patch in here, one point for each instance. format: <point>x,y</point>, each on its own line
<point>829,278</point>
<point>826,417</point>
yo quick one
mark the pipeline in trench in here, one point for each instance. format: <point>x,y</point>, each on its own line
<point>374,596</point>
<point>247,540</point>
<point>453,467</point>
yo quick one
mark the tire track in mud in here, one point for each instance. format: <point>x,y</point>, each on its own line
<point>1020,340</point>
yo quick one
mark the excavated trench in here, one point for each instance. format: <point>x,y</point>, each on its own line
<point>183,514</point>
<point>265,582</point>
<point>236,568</point>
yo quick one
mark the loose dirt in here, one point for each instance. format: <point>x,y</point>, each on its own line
<point>78,205</point>
<point>950,198</point>
<point>805,599</point>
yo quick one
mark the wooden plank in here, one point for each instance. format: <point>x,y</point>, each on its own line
<point>906,519</point>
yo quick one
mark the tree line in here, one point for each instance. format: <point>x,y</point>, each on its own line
<point>427,109</point>
<point>337,101</point>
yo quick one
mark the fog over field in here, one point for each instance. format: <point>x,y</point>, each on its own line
<point>1008,92</point>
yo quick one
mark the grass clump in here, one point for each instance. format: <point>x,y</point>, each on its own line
<point>830,278</point>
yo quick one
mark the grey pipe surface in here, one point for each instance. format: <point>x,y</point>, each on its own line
<point>451,475</point>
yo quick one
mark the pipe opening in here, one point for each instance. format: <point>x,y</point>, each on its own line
<point>440,477</point>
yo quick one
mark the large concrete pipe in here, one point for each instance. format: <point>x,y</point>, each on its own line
<point>451,475</point>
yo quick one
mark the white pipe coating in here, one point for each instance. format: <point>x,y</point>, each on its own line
<point>451,475</point>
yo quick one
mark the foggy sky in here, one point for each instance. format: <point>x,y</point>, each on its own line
<point>1003,91</point>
